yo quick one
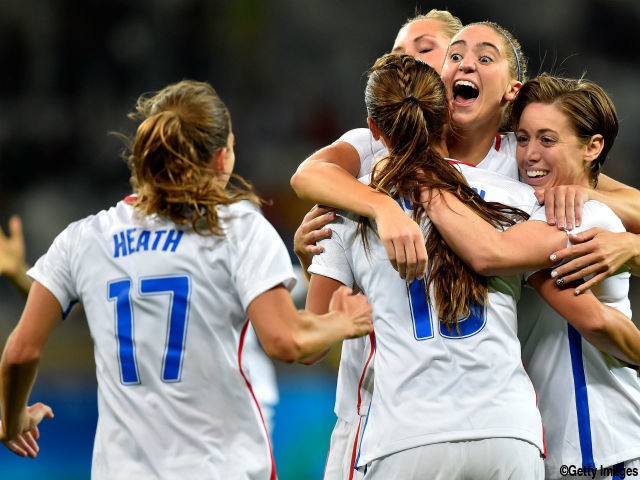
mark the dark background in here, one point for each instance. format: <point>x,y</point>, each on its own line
<point>290,71</point>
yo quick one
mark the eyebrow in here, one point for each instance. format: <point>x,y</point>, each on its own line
<point>481,44</point>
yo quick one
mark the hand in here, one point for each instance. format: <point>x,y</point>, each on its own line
<point>12,249</point>
<point>596,252</point>
<point>356,309</point>
<point>26,442</point>
<point>563,205</point>
<point>311,231</point>
<point>404,243</point>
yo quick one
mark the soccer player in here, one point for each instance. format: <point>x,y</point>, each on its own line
<point>589,398</point>
<point>167,278</point>
<point>451,396</point>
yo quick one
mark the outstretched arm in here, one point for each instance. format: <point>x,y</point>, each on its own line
<point>12,256</point>
<point>19,366</point>
<point>606,328</point>
<point>328,178</point>
<point>291,335</point>
<point>522,247</point>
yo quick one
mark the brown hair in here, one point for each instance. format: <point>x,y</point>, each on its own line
<point>406,99</point>
<point>585,104</point>
<point>181,127</point>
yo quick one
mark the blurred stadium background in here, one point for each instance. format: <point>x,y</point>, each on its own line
<point>291,73</point>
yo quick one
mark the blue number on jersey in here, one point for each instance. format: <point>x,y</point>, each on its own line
<point>178,289</point>
<point>423,324</point>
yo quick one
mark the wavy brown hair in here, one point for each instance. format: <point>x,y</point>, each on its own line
<point>406,99</point>
<point>181,128</point>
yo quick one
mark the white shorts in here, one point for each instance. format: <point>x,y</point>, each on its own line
<point>486,459</point>
<point>343,448</point>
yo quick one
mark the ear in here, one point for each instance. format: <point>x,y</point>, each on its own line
<point>218,161</point>
<point>375,131</point>
<point>512,90</point>
<point>593,148</point>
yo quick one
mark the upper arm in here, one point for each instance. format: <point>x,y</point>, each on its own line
<point>622,199</point>
<point>319,293</point>
<point>578,310</point>
<point>339,153</point>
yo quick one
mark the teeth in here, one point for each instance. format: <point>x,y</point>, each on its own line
<point>535,173</point>
<point>465,83</point>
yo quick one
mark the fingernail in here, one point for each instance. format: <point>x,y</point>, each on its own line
<point>560,282</point>
<point>578,292</point>
<point>554,274</point>
<point>553,258</point>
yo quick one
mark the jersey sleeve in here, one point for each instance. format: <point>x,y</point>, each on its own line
<point>369,150</point>
<point>262,260</point>
<point>54,269</point>
<point>333,262</point>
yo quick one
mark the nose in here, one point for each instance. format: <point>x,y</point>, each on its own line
<point>531,152</point>
<point>469,66</point>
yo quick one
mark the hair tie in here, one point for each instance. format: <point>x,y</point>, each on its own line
<point>411,99</point>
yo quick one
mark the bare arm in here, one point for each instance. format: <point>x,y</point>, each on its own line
<point>291,335</point>
<point>604,327</point>
<point>12,256</point>
<point>523,247</point>
<point>328,178</point>
<point>19,366</point>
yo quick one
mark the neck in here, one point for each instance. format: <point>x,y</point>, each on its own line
<point>471,143</point>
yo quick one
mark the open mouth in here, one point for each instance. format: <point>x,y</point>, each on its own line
<point>464,92</point>
<point>536,173</point>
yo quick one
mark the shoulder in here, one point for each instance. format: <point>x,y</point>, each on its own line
<point>597,214</point>
<point>357,136</point>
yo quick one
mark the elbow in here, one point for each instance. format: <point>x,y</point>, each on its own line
<point>18,353</point>
<point>283,348</point>
<point>483,265</point>
<point>299,181</point>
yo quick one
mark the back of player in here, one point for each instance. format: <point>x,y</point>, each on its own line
<point>434,385</point>
<point>166,310</point>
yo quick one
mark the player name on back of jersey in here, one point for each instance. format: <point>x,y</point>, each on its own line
<point>133,240</point>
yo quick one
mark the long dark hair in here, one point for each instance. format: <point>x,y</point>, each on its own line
<point>406,99</point>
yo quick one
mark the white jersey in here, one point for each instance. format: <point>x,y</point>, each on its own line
<point>433,385</point>
<point>355,373</point>
<point>167,313</point>
<point>500,158</point>
<point>589,401</point>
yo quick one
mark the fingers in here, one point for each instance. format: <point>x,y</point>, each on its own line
<point>39,411</point>
<point>15,228</point>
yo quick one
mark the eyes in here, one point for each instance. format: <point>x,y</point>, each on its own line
<point>457,58</point>
<point>545,140</point>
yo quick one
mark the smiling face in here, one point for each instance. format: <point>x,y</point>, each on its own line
<point>425,39</point>
<point>478,76</point>
<point>549,151</point>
